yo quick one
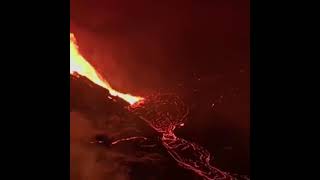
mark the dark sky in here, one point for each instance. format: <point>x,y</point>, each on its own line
<point>199,49</point>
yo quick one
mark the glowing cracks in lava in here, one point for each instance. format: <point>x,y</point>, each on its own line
<point>191,156</point>
<point>166,112</point>
<point>78,64</point>
<point>163,112</point>
<point>128,139</point>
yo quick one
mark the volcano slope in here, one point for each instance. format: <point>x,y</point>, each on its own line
<point>107,141</point>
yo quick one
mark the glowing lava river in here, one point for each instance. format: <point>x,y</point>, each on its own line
<point>167,112</point>
<point>164,113</point>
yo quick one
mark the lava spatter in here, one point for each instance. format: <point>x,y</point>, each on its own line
<point>166,112</point>
<point>162,112</point>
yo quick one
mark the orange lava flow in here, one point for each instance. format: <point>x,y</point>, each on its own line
<point>81,66</point>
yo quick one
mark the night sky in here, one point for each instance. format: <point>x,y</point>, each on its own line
<point>197,49</point>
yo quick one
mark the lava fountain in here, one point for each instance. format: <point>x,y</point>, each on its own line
<point>78,64</point>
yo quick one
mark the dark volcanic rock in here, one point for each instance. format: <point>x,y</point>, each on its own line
<point>103,109</point>
<point>89,97</point>
<point>101,148</point>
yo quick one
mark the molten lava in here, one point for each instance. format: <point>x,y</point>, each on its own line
<point>78,64</point>
<point>164,113</point>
